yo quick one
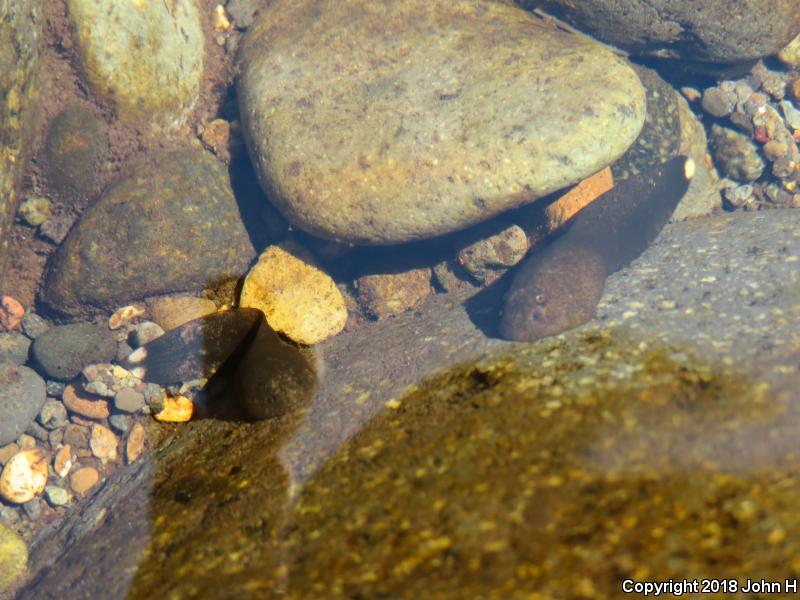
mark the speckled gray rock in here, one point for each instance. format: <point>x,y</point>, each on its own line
<point>21,398</point>
<point>63,351</point>
<point>711,30</point>
<point>735,154</point>
<point>170,225</point>
<point>74,151</point>
<point>145,59</point>
<point>53,414</point>
<point>128,400</point>
<point>375,123</point>
<point>14,348</point>
<point>33,325</point>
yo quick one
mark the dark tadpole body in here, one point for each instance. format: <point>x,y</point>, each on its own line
<point>558,288</point>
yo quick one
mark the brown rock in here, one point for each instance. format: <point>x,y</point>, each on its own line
<point>103,443</point>
<point>62,461</point>
<point>387,294</point>
<point>24,476</point>
<point>135,444</point>
<point>487,258</point>
<point>172,311</point>
<point>84,479</point>
<point>80,403</point>
<point>123,316</point>
<point>11,313</point>
<point>76,436</point>
<point>297,298</point>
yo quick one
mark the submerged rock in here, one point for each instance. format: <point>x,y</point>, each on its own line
<point>62,352</point>
<point>144,59</point>
<point>375,123</point>
<point>172,224</point>
<point>22,395</point>
<point>713,30</point>
<point>13,557</point>
<point>74,152</point>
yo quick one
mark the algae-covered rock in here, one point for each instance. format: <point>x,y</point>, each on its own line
<point>145,59</point>
<point>375,123</point>
<point>172,224</point>
<point>20,38</point>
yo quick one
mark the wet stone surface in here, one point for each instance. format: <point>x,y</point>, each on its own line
<point>493,462</point>
<point>171,224</point>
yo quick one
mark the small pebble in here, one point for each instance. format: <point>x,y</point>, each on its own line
<point>55,388</point>
<point>177,409</point>
<point>24,476</point>
<point>119,423</point>
<point>56,228</point>
<point>55,438</point>
<point>154,396</point>
<point>76,436</point>
<point>62,461</point>
<point>53,414</point>
<point>35,211</point>
<point>145,332</point>
<point>84,479</point>
<point>76,402</point>
<point>387,294</point>
<point>718,103</point>
<point>123,316</point>
<point>791,114</point>
<point>33,325</point>
<point>103,443</point>
<point>26,442</point>
<point>135,444</point>
<point>56,496</point>
<point>129,400</point>
<point>11,313</point>
<point>14,348</point>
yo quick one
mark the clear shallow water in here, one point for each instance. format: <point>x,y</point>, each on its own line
<point>430,458</point>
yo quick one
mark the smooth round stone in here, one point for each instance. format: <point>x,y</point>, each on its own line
<point>22,395</point>
<point>144,59</point>
<point>129,400</point>
<point>62,352</point>
<point>14,348</point>
<point>374,125</point>
<point>74,152</point>
<point>172,224</point>
<point>712,30</point>
<point>173,311</point>
<point>13,557</point>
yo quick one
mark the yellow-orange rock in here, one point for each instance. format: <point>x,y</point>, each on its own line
<point>177,409</point>
<point>298,298</point>
<point>135,444</point>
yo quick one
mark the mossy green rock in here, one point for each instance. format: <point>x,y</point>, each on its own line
<point>20,38</point>
<point>171,225</point>
<point>380,122</point>
<point>13,557</point>
<point>144,59</point>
